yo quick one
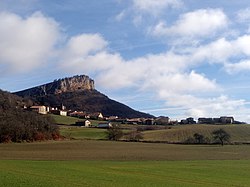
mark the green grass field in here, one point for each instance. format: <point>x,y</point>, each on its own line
<point>106,163</point>
<point>94,162</point>
<point>120,151</point>
<point>83,133</point>
<point>63,120</point>
<point>176,134</point>
<point>128,173</point>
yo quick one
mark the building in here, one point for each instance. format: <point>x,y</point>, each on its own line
<point>63,113</point>
<point>59,112</point>
<point>84,123</point>
<point>112,118</point>
<point>226,120</point>
<point>162,120</point>
<point>149,122</point>
<point>104,125</point>
<point>39,109</point>
<point>221,120</point>
<point>205,120</point>
<point>135,121</point>
<point>96,115</point>
<point>82,115</point>
<point>189,120</point>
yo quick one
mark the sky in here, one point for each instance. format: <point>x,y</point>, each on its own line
<point>173,58</point>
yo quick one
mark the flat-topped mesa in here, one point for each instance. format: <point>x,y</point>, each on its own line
<point>70,84</point>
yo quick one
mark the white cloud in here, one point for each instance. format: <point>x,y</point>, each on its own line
<point>85,44</point>
<point>180,83</point>
<point>199,23</point>
<point>167,75</point>
<point>206,107</point>
<point>216,52</point>
<point>120,16</point>
<point>26,43</point>
<point>224,51</point>
<point>243,15</point>
<point>242,44</point>
<point>141,10</point>
<point>241,66</point>
<point>18,6</point>
<point>155,7</point>
<point>86,53</point>
<point>140,72</point>
<point>221,105</point>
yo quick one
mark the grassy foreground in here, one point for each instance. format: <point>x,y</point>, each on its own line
<point>133,173</point>
<point>105,163</point>
<point>121,151</point>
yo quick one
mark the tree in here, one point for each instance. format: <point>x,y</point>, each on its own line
<point>221,135</point>
<point>114,133</point>
<point>199,138</point>
<point>135,136</point>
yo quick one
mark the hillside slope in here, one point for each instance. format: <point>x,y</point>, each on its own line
<point>17,125</point>
<point>78,93</point>
<point>179,134</point>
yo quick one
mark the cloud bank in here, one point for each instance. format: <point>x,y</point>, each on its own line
<point>26,43</point>
<point>33,42</point>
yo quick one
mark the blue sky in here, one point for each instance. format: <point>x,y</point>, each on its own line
<point>166,57</point>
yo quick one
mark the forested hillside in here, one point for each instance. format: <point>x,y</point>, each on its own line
<point>17,125</point>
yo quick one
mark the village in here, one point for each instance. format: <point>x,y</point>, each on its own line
<point>106,121</point>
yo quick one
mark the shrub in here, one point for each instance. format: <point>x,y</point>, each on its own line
<point>199,138</point>
<point>18,126</point>
<point>114,133</point>
<point>134,136</point>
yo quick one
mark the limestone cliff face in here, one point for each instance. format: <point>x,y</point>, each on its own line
<point>70,84</point>
<point>74,84</point>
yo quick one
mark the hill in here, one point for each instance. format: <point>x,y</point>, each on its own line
<point>17,124</point>
<point>78,93</point>
<point>179,134</point>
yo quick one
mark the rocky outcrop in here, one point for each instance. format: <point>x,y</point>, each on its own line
<point>78,93</point>
<point>71,84</point>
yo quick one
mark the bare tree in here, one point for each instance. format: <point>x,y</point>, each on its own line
<point>114,133</point>
<point>199,138</point>
<point>221,135</point>
<point>135,136</point>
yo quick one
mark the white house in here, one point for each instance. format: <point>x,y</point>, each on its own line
<point>63,113</point>
<point>39,109</point>
<point>96,115</point>
<point>85,123</point>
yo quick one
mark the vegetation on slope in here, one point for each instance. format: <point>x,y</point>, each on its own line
<point>86,100</point>
<point>17,125</point>
<point>179,134</point>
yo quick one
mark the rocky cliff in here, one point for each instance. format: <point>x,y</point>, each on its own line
<point>78,93</point>
<point>71,84</point>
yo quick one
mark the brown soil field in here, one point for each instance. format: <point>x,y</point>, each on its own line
<point>110,150</point>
